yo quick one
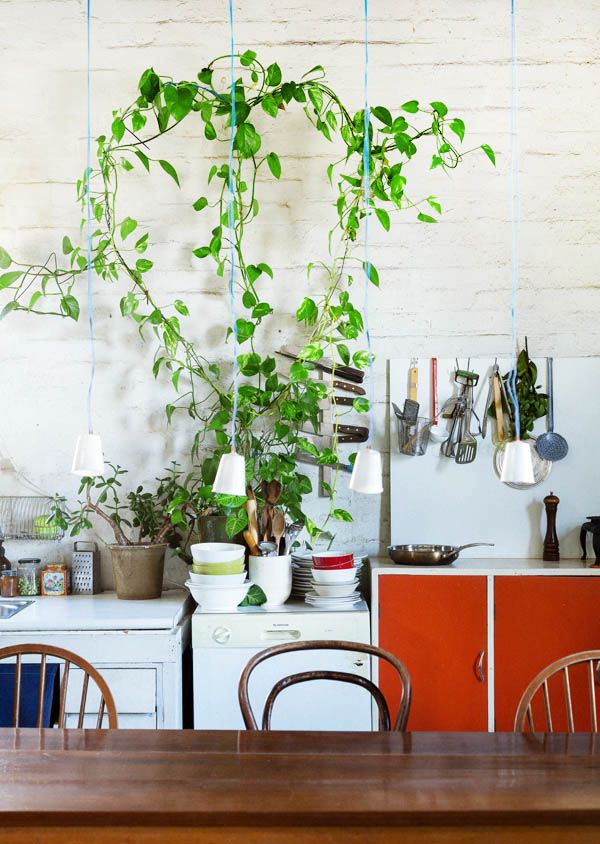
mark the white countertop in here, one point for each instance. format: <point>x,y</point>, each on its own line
<point>490,565</point>
<point>98,612</point>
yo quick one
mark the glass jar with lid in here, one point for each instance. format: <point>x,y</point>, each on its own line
<point>28,576</point>
<point>8,583</point>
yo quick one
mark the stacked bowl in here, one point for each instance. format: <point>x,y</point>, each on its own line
<point>302,572</point>
<point>218,577</point>
<point>334,581</point>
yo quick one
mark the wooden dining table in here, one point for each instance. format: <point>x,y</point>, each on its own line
<point>188,786</point>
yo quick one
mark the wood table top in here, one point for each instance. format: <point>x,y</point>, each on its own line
<point>266,779</point>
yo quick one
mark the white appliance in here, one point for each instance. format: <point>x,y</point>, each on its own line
<point>223,643</point>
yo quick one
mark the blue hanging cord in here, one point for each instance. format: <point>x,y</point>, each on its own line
<point>515,215</point>
<point>88,208</point>
<point>231,222</point>
<point>367,203</point>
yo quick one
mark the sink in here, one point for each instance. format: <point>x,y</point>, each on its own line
<point>10,607</point>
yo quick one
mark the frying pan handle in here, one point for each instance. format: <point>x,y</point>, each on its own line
<point>474,545</point>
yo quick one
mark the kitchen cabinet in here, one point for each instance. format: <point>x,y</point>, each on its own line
<point>473,635</point>
<point>139,647</point>
<point>539,620</point>
<point>438,627</point>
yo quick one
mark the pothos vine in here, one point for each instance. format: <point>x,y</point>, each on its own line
<point>274,404</point>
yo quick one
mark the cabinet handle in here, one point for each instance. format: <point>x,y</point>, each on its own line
<point>478,667</point>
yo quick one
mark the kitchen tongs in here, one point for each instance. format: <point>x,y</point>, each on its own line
<point>348,373</point>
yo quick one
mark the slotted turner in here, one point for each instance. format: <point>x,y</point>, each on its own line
<point>466,449</point>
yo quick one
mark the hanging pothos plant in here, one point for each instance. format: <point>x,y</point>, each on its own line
<point>274,404</point>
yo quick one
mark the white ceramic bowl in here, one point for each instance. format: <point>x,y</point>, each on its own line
<point>332,576</point>
<point>218,579</point>
<point>218,597</point>
<point>217,552</point>
<point>335,590</point>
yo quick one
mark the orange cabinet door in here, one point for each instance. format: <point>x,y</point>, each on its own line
<point>539,620</point>
<point>437,625</point>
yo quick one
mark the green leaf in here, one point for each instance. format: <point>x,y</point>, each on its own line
<point>458,127</point>
<point>273,75</point>
<point>344,353</point>
<point>317,68</point>
<point>201,251</point>
<point>200,203</point>
<point>247,58</point>
<point>425,218</point>
<point>412,106</point>
<point>312,351</point>
<point>261,310</point>
<point>307,312</point>
<point>253,272</point>
<point>298,372</point>
<point>6,279</point>
<point>118,129</point>
<point>371,273</point>
<point>142,244</point>
<point>128,304</point>
<point>138,121</point>
<point>179,99</point>
<point>254,597</point>
<point>10,306</point>
<point>181,307</point>
<point>5,259</point>
<point>434,204</point>
<point>361,405</point>
<point>489,152</point>
<point>34,299</point>
<point>244,329</point>
<point>383,217</point>
<point>149,84</point>
<point>269,104</point>
<point>127,226</point>
<point>274,164</point>
<point>316,97</point>
<point>210,133</point>
<point>143,158</point>
<point>67,246</point>
<point>212,173</point>
<point>142,265</point>
<point>236,523</point>
<point>70,307</point>
<point>247,140</point>
<point>382,114</point>
<point>249,364</point>
<point>441,109</point>
<point>168,168</point>
<point>266,269</point>
<point>342,515</point>
<point>360,359</point>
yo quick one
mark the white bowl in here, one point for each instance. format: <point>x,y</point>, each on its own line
<point>334,590</point>
<point>218,579</point>
<point>217,552</point>
<point>334,575</point>
<point>219,597</point>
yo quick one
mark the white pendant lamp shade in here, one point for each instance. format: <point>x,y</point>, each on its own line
<point>517,467</point>
<point>367,474</point>
<point>231,475</point>
<point>88,460</point>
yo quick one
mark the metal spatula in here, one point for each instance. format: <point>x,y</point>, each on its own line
<point>466,450</point>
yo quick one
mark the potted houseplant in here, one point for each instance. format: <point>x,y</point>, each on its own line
<point>278,401</point>
<point>144,524</point>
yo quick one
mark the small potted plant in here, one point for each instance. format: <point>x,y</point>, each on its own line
<point>157,520</point>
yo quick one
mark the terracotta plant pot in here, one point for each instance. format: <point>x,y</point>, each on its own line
<point>138,571</point>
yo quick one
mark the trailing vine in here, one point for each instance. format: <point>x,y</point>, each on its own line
<point>274,404</point>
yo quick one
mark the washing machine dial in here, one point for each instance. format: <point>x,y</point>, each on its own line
<point>221,635</point>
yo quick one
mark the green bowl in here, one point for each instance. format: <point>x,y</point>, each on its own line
<point>235,567</point>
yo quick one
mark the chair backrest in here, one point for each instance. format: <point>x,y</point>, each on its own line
<point>68,658</point>
<point>341,676</point>
<point>541,682</point>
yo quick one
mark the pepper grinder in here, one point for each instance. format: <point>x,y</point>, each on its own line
<point>551,549</point>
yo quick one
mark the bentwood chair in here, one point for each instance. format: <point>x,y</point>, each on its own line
<point>582,682</point>
<point>49,656</point>
<point>341,676</point>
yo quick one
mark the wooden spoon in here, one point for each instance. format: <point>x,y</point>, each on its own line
<point>251,509</point>
<point>278,526</point>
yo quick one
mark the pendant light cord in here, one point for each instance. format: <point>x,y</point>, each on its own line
<point>88,209</point>
<point>367,204</point>
<point>515,213</point>
<point>231,222</point>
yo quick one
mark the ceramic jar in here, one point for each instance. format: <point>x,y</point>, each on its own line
<point>274,576</point>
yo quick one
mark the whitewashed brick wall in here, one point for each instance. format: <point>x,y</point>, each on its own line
<point>445,289</point>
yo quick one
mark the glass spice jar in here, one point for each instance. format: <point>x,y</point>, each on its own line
<point>9,583</point>
<point>28,576</point>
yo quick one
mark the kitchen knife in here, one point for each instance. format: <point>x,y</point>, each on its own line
<point>302,457</point>
<point>330,429</point>
<point>349,388</point>
<point>326,365</point>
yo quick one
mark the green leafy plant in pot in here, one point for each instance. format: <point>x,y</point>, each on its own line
<point>153,518</point>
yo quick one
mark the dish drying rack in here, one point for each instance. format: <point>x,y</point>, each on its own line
<point>23,517</point>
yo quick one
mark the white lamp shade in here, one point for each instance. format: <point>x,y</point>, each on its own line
<point>231,475</point>
<point>517,466</point>
<point>367,474</point>
<point>88,460</point>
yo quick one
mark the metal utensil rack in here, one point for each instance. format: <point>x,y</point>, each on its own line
<point>18,515</point>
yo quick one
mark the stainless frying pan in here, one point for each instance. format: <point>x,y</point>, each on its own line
<point>429,555</point>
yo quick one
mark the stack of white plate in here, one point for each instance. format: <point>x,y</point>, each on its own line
<point>302,572</point>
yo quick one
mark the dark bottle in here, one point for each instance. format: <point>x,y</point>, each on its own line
<point>4,563</point>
